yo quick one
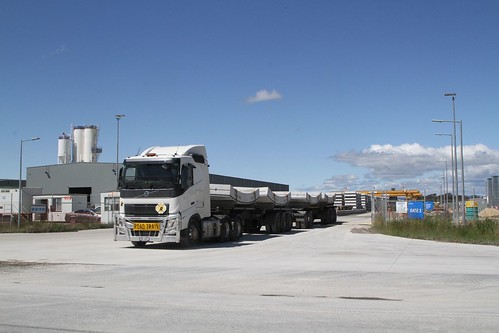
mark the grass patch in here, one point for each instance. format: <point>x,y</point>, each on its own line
<point>47,226</point>
<point>436,228</point>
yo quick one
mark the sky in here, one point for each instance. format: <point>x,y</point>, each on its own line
<point>320,95</point>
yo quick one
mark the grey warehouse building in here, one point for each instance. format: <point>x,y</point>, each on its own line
<point>90,179</point>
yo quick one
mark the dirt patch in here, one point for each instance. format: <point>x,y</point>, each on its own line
<point>20,264</point>
<point>489,212</point>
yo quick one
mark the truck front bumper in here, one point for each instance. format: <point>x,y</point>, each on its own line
<point>169,230</point>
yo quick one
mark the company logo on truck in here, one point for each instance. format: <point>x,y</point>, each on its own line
<point>161,208</point>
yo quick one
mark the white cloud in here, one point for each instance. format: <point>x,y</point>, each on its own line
<point>263,95</point>
<point>413,166</point>
<point>57,52</point>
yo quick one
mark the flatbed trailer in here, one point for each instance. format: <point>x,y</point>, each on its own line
<point>165,196</point>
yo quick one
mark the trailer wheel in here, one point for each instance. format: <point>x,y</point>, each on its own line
<point>288,221</point>
<point>225,231</point>
<point>192,234</point>
<point>325,217</point>
<point>271,222</point>
<point>308,220</point>
<point>278,223</point>
<point>334,215</point>
<point>237,229</point>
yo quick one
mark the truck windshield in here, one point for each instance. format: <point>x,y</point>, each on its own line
<point>150,175</point>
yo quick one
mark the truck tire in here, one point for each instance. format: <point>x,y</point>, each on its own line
<point>225,230</point>
<point>272,222</point>
<point>308,220</point>
<point>325,217</point>
<point>192,234</point>
<point>288,224</point>
<point>328,216</point>
<point>334,215</point>
<point>278,223</point>
<point>237,228</point>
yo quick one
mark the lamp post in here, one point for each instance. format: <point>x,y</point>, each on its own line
<point>455,164</point>
<point>118,117</point>
<point>445,184</point>
<point>454,177</point>
<point>462,170</point>
<point>20,207</point>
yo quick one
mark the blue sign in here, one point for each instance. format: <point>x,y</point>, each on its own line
<point>415,210</point>
<point>38,209</point>
<point>429,205</point>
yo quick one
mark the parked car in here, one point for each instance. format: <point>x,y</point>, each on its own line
<point>82,215</point>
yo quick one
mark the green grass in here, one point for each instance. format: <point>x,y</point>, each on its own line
<point>442,229</point>
<point>43,226</point>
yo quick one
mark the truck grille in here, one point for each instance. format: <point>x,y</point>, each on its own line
<point>143,210</point>
<point>144,233</point>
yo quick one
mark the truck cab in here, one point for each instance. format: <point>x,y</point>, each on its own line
<point>162,191</point>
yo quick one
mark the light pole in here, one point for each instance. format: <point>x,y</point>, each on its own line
<point>446,184</point>
<point>462,170</point>
<point>20,207</point>
<point>454,177</point>
<point>444,177</point>
<point>455,165</point>
<point>453,95</point>
<point>118,117</point>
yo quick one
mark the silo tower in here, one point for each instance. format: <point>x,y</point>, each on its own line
<point>64,149</point>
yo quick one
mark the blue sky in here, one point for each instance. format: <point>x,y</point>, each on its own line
<point>320,95</point>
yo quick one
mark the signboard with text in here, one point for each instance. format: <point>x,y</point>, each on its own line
<point>415,210</point>
<point>401,207</point>
<point>38,209</point>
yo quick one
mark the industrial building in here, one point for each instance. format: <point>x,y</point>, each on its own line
<point>493,191</point>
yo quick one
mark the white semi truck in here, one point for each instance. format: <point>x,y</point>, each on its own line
<point>166,196</point>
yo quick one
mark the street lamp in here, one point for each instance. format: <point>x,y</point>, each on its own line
<point>20,207</point>
<point>445,182</point>
<point>118,117</point>
<point>454,179</point>
<point>453,95</point>
<point>455,159</point>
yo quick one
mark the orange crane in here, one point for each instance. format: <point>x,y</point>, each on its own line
<point>409,194</point>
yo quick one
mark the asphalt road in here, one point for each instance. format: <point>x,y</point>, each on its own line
<point>336,278</point>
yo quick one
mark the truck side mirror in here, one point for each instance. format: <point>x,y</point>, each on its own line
<point>120,174</point>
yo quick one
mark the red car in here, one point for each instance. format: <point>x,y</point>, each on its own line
<point>82,216</point>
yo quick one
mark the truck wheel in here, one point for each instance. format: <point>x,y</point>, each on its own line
<point>192,234</point>
<point>288,224</point>
<point>271,222</point>
<point>278,223</point>
<point>138,244</point>
<point>225,231</point>
<point>237,230</point>
<point>334,216</point>
<point>308,220</point>
<point>325,217</point>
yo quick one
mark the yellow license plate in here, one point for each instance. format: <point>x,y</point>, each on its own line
<point>146,226</point>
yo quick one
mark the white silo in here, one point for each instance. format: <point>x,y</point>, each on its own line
<point>78,143</point>
<point>64,149</point>
<point>90,143</point>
